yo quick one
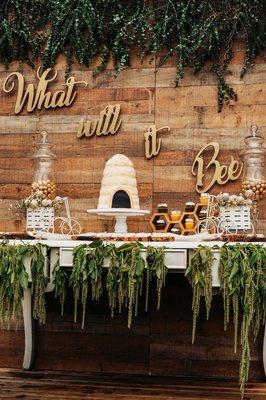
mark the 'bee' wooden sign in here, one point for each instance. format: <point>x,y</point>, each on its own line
<point>217,172</point>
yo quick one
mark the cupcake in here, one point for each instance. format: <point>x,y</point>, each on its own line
<point>203,214</point>
<point>160,224</point>
<point>176,231</point>
<point>175,215</point>
<point>162,208</point>
<point>189,206</point>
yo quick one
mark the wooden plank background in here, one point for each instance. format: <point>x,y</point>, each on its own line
<point>147,96</point>
<point>159,342</point>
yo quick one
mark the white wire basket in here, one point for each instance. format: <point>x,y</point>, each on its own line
<point>39,219</point>
<point>239,216</point>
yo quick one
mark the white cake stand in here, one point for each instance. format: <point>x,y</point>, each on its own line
<point>120,215</point>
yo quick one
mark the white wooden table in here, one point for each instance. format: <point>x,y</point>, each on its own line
<point>176,259</point>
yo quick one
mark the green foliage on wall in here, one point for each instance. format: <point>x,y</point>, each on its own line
<point>198,32</point>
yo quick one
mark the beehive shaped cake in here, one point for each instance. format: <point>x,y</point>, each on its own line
<point>119,184</point>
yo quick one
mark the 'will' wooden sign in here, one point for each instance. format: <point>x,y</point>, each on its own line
<point>218,172</point>
<point>108,122</point>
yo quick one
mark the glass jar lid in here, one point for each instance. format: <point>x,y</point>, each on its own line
<point>44,148</point>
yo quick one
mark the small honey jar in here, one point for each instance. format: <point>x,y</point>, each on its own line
<point>175,215</point>
<point>189,224</point>
<point>204,199</point>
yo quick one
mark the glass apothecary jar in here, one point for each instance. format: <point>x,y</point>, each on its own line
<point>253,156</point>
<point>43,185</point>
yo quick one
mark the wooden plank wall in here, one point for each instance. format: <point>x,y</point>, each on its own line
<point>147,96</point>
<point>159,342</point>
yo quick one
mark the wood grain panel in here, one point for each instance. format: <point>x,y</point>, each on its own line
<point>160,341</point>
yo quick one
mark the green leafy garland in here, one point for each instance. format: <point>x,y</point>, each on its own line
<point>242,272</point>
<point>124,279</point>
<point>14,280</point>
<point>198,33</point>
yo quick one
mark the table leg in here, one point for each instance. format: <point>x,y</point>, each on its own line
<point>264,350</point>
<point>28,329</point>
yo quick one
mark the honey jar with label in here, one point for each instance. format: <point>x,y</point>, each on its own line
<point>175,215</point>
<point>204,199</point>
<point>189,224</point>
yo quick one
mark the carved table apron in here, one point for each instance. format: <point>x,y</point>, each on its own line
<point>176,258</point>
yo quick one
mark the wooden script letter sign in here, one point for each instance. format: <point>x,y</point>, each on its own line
<point>152,143</point>
<point>41,96</point>
<point>220,174</point>
<point>108,122</point>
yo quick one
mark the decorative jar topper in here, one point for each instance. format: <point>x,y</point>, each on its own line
<point>119,193</point>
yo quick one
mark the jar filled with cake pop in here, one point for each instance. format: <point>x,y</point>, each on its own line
<point>43,185</point>
<point>254,180</point>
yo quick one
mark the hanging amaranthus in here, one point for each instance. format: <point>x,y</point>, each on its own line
<point>125,278</point>
<point>13,280</point>
<point>199,274</point>
<point>243,282</point>
<point>60,277</point>
<point>39,281</point>
<point>155,267</point>
<point>87,274</point>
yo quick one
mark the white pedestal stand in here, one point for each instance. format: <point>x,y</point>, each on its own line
<point>120,215</point>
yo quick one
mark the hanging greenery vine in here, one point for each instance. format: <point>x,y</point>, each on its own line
<point>39,281</point>
<point>155,267</point>
<point>198,33</point>
<point>243,284</point>
<point>87,273</point>
<point>199,274</point>
<point>125,278</point>
<point>242,273</point>
<point>60,282</point>
<point>14,280</point>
